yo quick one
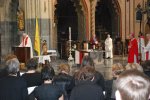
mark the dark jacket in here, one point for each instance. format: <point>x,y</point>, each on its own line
<point>98,80</point>
<point>87,91</point>
<point>47,92</point>
<point>13,88</point>
<point>32,79</point>
<point>65,82</point>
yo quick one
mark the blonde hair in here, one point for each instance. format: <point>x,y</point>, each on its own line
<point>135,66</point>
<point>117,69</point>
<point>9,57</point>
<point>64,67</point>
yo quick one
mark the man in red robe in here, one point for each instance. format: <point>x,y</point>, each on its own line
<point>133,50</point>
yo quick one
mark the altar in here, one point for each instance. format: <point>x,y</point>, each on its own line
<point>96,55</point>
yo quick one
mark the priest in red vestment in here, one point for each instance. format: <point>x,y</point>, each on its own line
<point>133,50</point>
<point>26,42</point>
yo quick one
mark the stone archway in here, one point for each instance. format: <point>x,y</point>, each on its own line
<point>76,17</point>
<point>83,19</point>
<point>65,16</point>
<point>108,18</point>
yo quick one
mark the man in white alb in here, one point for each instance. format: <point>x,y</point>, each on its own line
<point>108,47</point>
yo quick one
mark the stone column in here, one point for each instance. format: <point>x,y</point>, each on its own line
<point>92,17</point>
<point>53,30</point>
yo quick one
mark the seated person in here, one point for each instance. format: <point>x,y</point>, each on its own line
<point>3,71</point>
<point>110,87</point>
<point>48,91</point>
<point>98,79</point>
<point>146,67</point>
<point>87,89</point>
<point>11,86</point>
<point>64,80</point>
<point>32,77</point>
<point>117,69</point>
<point>136,66</point>
<point>133,85</point>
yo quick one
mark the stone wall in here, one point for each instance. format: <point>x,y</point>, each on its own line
<point>8,27</point>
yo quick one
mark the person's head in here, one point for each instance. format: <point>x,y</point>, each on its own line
<point>44,41</point>
<point>131,35</point>
<point>148,36</point>
<point>10,56</point>
<point>93,35</point>
<point>146,65</point>
<point>12,66</point>
<point>135,66</point>
<point>32,64</point>
<point>87,61</point>
<point>140,34</point>
<point>24,35</point>
<point>132,85</point>
<point>64,68</point>
<point>117,69</point>
<point>85,74</point>
<point>47,73</point>
<point>108,36</point>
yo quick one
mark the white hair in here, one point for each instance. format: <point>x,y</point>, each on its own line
<point>12,66</point>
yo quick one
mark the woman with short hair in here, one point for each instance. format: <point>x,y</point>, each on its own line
<point>11,86</point>
<point>64,80</point>
<point>48,91</point>
<point>87,89</point>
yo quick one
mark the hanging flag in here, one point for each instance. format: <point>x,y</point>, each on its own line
<point>37,38</point>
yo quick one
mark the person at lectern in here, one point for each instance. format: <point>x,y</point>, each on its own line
<point>26,42</point>
<point>108,47</point>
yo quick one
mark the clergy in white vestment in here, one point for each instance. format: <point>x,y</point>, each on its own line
<point>26,42</point>
<point>141,44</point>
<point>108,47</point>
<point>147,48</point>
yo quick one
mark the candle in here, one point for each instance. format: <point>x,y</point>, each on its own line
<point>69,33</point>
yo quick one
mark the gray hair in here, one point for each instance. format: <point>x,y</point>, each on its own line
<point>12,66</point>
<point>133,85</point>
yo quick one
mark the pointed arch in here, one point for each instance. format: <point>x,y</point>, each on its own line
<point>86,12</point>
<point>113,9</point>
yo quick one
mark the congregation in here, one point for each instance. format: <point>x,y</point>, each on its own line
<point>130,82</point>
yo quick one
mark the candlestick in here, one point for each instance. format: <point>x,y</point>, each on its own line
<point>69,33</point>
<point>70,59</point>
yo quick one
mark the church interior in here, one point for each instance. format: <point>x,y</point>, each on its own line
<point>85,17</point>
<point>66,31</point>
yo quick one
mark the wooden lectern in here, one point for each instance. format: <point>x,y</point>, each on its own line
<point>22,53</point>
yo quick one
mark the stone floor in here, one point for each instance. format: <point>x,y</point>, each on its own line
<point>103,66</point>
